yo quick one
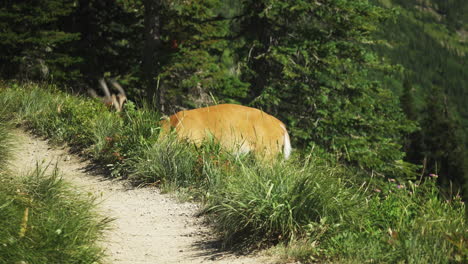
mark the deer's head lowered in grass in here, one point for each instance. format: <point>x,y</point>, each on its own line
<point>237,128</point>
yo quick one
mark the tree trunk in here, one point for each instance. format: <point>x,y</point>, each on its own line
<point>151,64</point>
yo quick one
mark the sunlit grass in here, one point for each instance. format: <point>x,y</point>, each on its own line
<point>44,220</point>
<point>311,206</point>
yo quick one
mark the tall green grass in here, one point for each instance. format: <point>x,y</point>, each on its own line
<point>5,136</point>
<point>5,145</point>
<point>44,220</point>
<point>311,206</point>
<point>166,162</point>
<point>281,201</point>
<point>411,223</point>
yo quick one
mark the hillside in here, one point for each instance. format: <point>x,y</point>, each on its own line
<point>430,41</point>
<point>429,38</point>
<point>371,93</point>
<point>307,209</point>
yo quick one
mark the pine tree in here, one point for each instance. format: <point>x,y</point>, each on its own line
<point>31,40</point>
<point>110,38</point>
<point>413,142</point>
<point>308,63</point>
<point>198,64</point>
<point>443,144</point>
<point>151,59</point>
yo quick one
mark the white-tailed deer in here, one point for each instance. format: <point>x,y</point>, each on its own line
<point>112,100</point>
<point>236,128</point>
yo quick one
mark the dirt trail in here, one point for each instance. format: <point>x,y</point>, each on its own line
<point>149,227</point>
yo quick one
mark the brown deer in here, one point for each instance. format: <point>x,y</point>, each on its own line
<point>115,101</point>
<point>236,128</point>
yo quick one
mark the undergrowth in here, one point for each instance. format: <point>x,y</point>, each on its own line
<point>311,207</point>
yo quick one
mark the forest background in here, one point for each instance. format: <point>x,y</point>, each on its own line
<point>377,85</point>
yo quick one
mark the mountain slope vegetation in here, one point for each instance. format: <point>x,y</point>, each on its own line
<point>372,92</point>
<point>429,39</point>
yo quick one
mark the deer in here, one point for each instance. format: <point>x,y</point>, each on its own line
<point>115,101</point>
<point>237,128</point>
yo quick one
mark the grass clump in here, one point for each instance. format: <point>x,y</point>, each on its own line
<point>5,145</point>
<point>411,223</point>
<point>59,116</point>
<point>167,162</point>
<point>84,123</point>
<point>283,202</point>
<point>317,214</point>
<point>44,220</point>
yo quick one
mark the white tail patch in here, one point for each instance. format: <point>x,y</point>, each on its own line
<point>287,146</point>
<point>287,149</point>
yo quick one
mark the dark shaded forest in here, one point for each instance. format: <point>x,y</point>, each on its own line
<point>380,86</point>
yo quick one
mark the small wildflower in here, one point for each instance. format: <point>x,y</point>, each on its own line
<point>400,186</point>
<point>433,175</point>
<point>391,180</point>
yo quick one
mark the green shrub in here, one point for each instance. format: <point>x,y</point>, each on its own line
<point>76,118</point>
<point>107,129</point>
<point>139,130</point>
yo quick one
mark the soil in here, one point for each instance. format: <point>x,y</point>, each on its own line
<point>148,227</point>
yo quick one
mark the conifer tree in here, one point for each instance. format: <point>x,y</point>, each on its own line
<point>110,38</point>
<point>197,64</point>
<point>307,62</point>
<point>32,41</point>
<point>413,142</point>
<point>443,144</point>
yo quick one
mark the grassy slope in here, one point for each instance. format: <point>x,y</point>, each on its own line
<point>310,200</point>
<point>42,220</point>
<point>429,39</point>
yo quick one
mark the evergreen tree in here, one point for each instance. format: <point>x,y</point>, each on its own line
<point>443,144</point>
<point>153,11</point>
<point>32,41</point>
<point>413,142</point>
<point>307,62</point>
<point>197,63</point>
<point>436,70</point>
<point>110,38</point>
